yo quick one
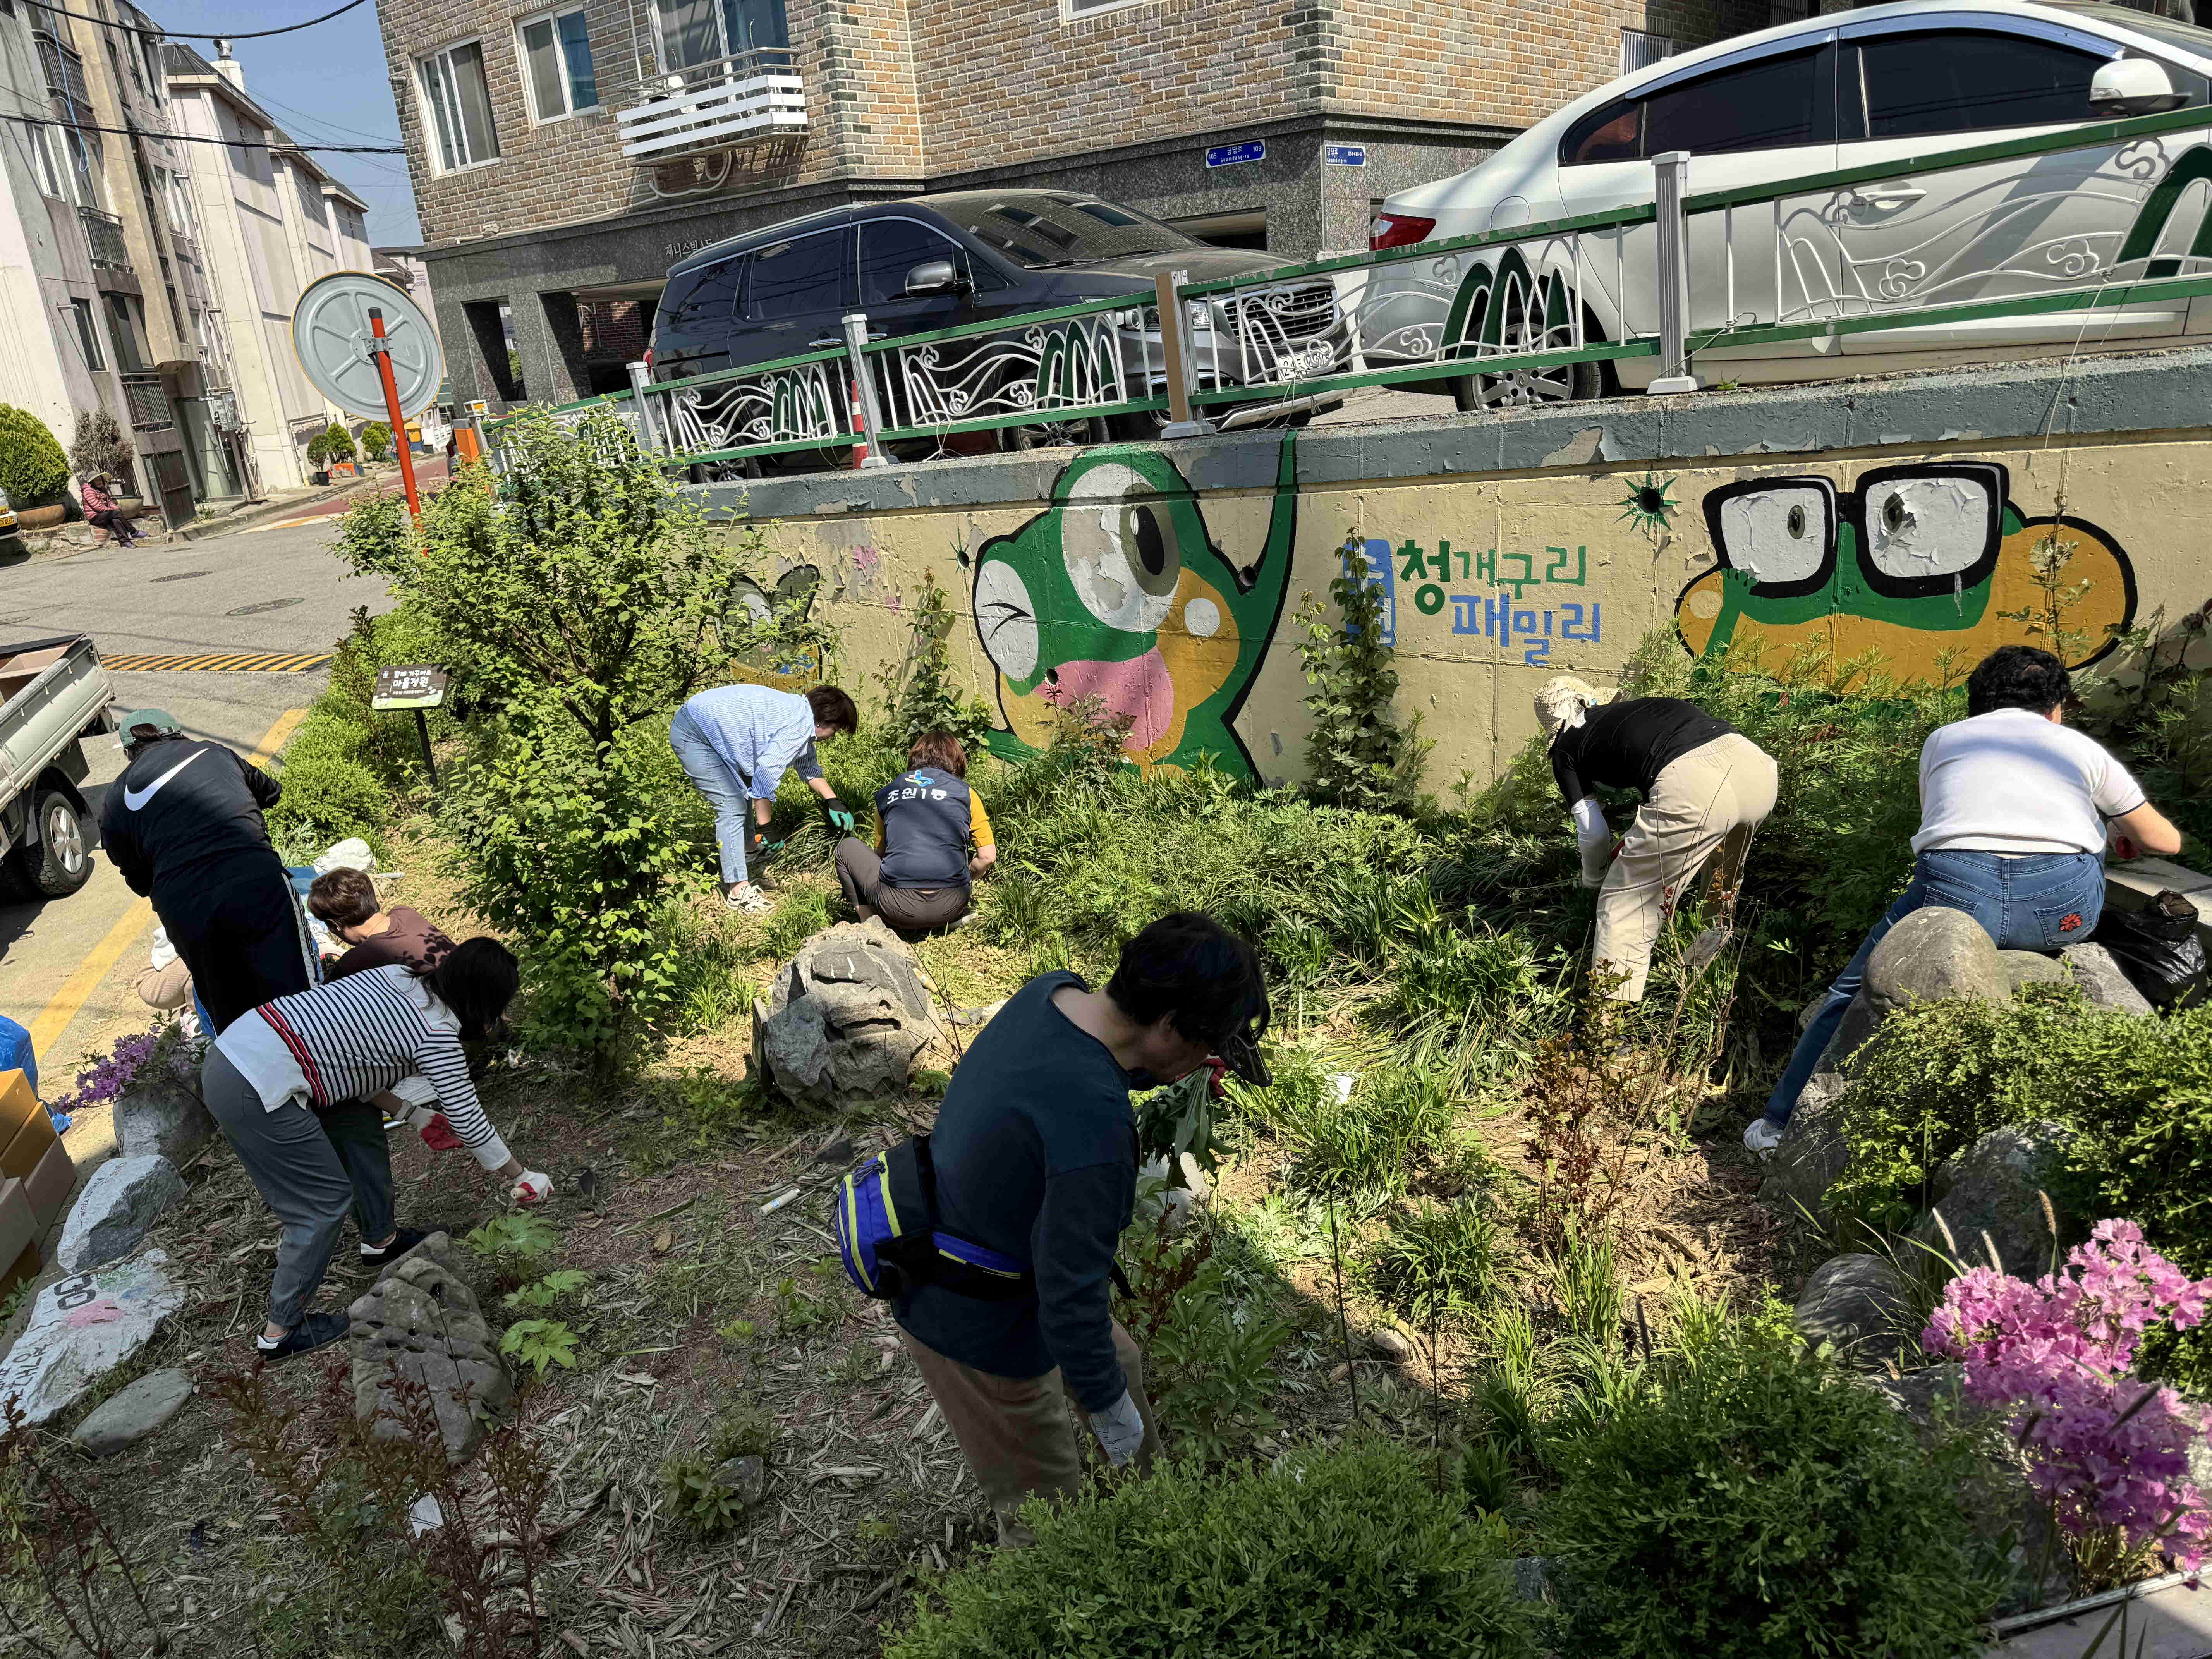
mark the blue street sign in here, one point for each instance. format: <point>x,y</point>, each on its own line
<point>1228,155</point>
<point>1345,155</point>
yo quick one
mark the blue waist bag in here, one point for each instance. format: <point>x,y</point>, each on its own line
<point>889,1239</point>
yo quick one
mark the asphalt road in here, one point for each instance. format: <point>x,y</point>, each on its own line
<point>67,966</point>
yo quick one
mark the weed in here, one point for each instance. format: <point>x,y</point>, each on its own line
<point>85,1579</point>
<point>543,1293</point>
<point>801,913</point>
<point>1365,1143</point>
<point>701,1493</point>
<point>1210,1356</point>
<point>518,1244</point>
<point>539,1343</point>
<point>919,693</point>
<point>1587,1285</point>
<point>1437,1263</point>
<point>1486,1477</point>
<point>796,1312</point>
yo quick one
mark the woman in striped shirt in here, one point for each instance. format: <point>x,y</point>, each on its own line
<point>291,1083</point>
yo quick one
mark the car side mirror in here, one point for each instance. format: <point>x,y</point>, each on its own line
<point>2133,86</point>
<point>936,277</point>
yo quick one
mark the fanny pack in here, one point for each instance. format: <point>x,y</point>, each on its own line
<point>890,1243</point>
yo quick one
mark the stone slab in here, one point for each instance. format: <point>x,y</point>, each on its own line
<point>133,1412</point>
<point>81,1327</point>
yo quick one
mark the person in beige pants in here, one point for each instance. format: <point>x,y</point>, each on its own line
<point>1707,789</point>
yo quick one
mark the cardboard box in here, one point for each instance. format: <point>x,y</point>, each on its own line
<point>19,1105</point>
<point>19,1223</point>
<point>24,1151</point>
<point>27,1266</point>
<point>51,1184</point>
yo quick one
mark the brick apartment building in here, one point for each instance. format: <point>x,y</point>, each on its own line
<point>546,244</point>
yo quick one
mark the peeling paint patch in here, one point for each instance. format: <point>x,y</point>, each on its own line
<point>1585,447</point>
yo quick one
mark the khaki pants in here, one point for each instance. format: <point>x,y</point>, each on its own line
<point>1713,798</point>
<point>1015,1431</point>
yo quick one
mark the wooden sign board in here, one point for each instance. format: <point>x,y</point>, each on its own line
<point>409,685</point>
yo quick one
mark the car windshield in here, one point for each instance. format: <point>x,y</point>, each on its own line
<point>1044,229</point>
<point>2182,37</point>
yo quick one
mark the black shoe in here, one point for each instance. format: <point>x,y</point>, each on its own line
<point>317,1330</point>
<point>403,1240</point>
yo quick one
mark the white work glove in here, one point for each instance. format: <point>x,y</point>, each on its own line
<point>1120,1429</point>
<point>531,1187</point>
<point>1594,840</point>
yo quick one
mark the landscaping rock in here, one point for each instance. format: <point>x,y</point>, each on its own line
<point>83,1327</point>
<point>1852,1033</point>
<point>846,1018</point>
<point>2032,968</point>
<point>161,1115</point>
<point>1992,1196</point>
<point>1932,955</point>
<point>1858,1303</point>
<point>1391,1345</point>
<point>134,1413</point>
<point>1812,1155</point>
<point>445,1251</point>
<point>1532,1579</point>
<point>421,1325</point>
<point>1924,1397</point>
<point>745,1476</point>
<point>109,1217</point>
<point>2102,981</point>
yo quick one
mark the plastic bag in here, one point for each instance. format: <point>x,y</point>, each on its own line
<point>2158,949</point>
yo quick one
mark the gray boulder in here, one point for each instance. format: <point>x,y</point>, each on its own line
<point>81,1327</point>
<point>846,1020</point>
<point>1991,1196</point>
<point>1932,1395</point>
<point>1932,955</point>
<point>123,1199</point>
<point>1856,1026</point>
<point>2032,968</point>
<point>1860,1304</point>
<point>133,1412</point>
<point>2099,973</point>
<point>1812,1155</point>
<point>159,1115</point>
<point>421,1325</point>
<point>747,1477</point>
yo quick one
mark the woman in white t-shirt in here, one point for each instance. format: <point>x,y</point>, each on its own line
<point>2013,813</point>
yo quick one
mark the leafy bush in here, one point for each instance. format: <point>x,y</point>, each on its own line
<point>1367,1146</point>
<point>376,441</point>
<point>32,468</point>
<point>332,443</point>
<point>1762,1501</point>
<point>920,692</point>
<point>98,444</point>
<point>1209,1352</point>
<point>1359,754</point>
<point>1351,1552</point>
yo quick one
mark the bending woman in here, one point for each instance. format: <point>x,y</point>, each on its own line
<point>917,875</point>
<point>291,1082</point>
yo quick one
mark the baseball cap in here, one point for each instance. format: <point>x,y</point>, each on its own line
<point>163,722</point>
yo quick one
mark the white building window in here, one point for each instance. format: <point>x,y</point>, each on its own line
<point>87,334</point>
<point>1640,50</point>
<point>45,151</point>
<point>1071,9</point>
<point>557,63</point>
<point>456,102</point>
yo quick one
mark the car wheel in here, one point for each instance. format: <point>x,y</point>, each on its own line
<point>1526,388</point>
<point>1055,435</point>
<point>61,862</point>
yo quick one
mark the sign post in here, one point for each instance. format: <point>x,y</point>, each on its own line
<point>381,349</point>
<point>418,686</point>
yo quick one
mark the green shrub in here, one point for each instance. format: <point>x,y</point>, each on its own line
<point>376,441</point>
<point>332,443</point>
<point>1350,1552</point>
<point>1359,754</point>
<point>1765,1503</point>
<point>330,793</point>
<point>32,468</point>
<point>1210,1363</point>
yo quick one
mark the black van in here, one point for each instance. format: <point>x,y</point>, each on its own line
<point>934,262</point>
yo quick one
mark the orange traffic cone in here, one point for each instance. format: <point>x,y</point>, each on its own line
<point>860,447</point>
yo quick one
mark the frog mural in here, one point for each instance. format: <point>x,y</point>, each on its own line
<point>1118,592</point>
<point>1916,560</point>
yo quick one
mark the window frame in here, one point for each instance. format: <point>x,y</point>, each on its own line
<point>87,334</point>
<point>1082,11</point>
<point>552,16</point>
<point>963,260</point>
<point>436,148</point>
<point>1822,48</point>
<point>1852,68</point>
<point>50,165</point>
<point>744,308</point>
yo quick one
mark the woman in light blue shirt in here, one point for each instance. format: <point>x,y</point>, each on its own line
<point>735,743</point>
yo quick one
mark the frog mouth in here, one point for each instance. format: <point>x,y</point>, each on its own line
<point>1139,689</point>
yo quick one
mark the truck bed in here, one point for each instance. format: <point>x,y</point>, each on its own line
<point>52,691</point>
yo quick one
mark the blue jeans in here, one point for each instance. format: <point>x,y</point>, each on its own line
<point>726,788</point>
<point>2023,903</point>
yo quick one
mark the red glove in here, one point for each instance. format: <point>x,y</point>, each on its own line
<point>2123,848</point>
<point>437,1135</point>
<point>1216,1085</point>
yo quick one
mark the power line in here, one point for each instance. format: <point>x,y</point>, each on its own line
<point>191,139</point>
<point>187,35</point>
<point>335,126</point>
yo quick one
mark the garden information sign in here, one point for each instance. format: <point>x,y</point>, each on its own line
<point>416,685</point>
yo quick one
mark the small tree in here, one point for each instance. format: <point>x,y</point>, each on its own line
<point>585,605</point>
<point>376,441</point>
<point>32,466</point>
<point>1359,754</point>
<point>338,443</point>
<point>921,695</point>
<point>97,446</point>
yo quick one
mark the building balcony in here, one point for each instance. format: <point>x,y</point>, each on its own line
<point>732,103</point>
<point>147,404</point>
<point>103,236</point>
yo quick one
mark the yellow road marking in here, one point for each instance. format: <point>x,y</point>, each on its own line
<point>220,662</point>
<point>54,1019</point>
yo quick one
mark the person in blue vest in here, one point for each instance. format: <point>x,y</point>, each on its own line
<point>917,875</point>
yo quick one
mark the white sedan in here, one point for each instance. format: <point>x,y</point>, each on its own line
<point>1866,87</point>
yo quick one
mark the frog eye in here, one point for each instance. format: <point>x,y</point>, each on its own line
<point>1778,534</point>
<point>1930,524</point>
<point>1005,619</point>
<point>1124,558</point>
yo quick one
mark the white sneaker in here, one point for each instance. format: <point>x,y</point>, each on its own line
<point>1762,1135</point>
<point>749,900</point>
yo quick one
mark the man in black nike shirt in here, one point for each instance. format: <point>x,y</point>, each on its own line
<point>184,825</point>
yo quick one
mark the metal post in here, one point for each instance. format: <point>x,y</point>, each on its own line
<point>1175,347</point>
<point>864,383</point>
<point>1671,181</point>
<point>381,349</point>
<point>422,730</point>
<point>649,423</point>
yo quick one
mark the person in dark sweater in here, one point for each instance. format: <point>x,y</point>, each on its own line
<point>916,876</point>
<point>183,825</point>
<point>346,902</point>
<point>1036,1155</point>
<point>1707,789</point>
